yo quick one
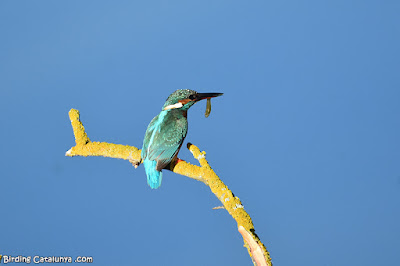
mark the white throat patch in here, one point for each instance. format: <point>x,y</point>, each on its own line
<point>173,106</point>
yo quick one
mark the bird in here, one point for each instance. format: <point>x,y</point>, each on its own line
<point>166,132</point>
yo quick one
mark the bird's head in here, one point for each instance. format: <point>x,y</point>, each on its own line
<point>184,99</point>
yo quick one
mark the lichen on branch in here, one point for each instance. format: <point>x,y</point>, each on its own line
<point>85,147</point>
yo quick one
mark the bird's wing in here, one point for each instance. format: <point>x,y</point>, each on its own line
<point>147,136</point>
<point>173,140</point>
<point>167,142</point>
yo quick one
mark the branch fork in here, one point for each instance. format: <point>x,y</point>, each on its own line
<point>85,147</point>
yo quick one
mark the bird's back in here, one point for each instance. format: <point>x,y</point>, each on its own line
<point>163,139</point>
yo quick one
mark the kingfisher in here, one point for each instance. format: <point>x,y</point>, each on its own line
<point>165,133</point>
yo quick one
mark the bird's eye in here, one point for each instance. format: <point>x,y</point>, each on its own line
<point>191,97</point>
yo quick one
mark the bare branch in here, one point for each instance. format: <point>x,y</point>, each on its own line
<point>85,147</point>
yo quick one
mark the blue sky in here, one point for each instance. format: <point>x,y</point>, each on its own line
<point>306,134</point>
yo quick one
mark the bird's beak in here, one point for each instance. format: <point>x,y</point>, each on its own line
<point>202,96</point>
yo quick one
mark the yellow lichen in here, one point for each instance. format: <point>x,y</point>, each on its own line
<point>204,173</point>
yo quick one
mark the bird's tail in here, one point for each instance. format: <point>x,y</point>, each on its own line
<point>154,177</point>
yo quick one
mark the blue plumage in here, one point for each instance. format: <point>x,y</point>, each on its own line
<point>166,132</point>
<point>154,177</point>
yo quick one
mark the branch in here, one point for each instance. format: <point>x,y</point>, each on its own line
<point>85,147</point>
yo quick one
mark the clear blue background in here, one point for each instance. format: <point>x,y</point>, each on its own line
<point>306,134</point>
